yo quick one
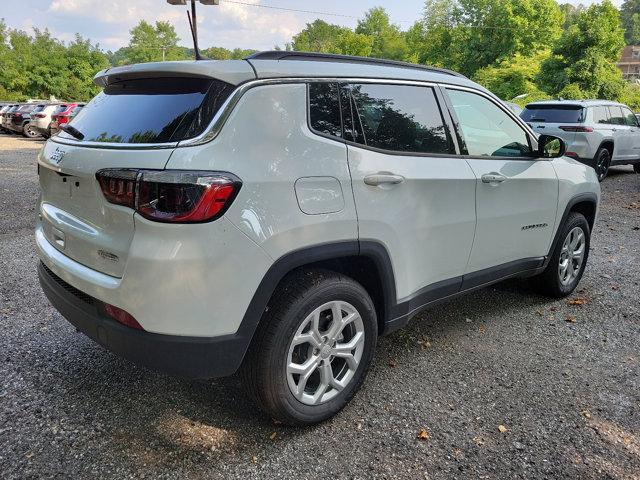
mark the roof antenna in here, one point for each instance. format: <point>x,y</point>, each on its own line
<point>194,29</point>
<point>193,22</point>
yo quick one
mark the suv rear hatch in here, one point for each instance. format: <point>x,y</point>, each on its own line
<point>560,120</point>
<point>133,124</point>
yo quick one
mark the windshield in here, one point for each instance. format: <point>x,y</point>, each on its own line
<point>154,110</point>
<point>553,113</point>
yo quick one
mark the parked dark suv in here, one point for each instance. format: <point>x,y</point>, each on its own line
<point>20,120</point>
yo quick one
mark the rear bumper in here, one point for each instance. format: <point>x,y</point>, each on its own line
<point>182,356</point>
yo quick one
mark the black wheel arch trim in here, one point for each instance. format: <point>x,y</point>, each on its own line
<point>586,197</point>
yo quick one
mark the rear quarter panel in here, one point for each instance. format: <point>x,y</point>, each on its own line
<point>266,142</point>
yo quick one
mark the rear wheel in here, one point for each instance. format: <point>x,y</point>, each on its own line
<point>568,260</point>
<point>312,349</point>
<point>29,132</point>
<point>636,167</point>
<point>602,162</point>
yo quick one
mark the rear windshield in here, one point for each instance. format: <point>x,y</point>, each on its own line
<point>151,110</point>
<point>553,113</point>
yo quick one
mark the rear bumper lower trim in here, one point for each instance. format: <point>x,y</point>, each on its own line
<point>189,357</point>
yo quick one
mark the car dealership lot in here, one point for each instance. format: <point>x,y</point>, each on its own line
<point>561,378</point>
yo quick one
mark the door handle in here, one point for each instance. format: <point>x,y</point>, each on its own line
<point>383,178</point>
<point>493,178</point>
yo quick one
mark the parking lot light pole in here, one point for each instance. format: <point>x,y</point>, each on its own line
<point>192,20</point>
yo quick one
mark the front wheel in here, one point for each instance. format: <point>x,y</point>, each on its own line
<point>312,349</point>
<point>602,162</point>
<point>568,260</point>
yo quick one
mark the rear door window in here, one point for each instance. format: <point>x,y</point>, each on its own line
<point>601,115</point>
<point>553,114</point>
<point>151,110</point>
<point>617,117</point>
<point>400,118</point>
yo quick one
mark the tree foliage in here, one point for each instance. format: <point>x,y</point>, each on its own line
<point>40,66</point>
<point>527,49</point>
<point>630,18</point>
<point>582,64</point>
<point>153,43</point>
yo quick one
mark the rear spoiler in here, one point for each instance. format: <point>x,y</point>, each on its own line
<point>230,71</point>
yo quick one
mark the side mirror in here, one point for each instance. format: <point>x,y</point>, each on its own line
<point>551,147</point>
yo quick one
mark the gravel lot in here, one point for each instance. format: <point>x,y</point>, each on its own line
<point>505,383</point>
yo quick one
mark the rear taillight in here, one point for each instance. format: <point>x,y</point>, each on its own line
<point>170,195</point>
<point>120,316</point>
<point>572,128</point>
<point>62,119</point>
<point>17,115</point>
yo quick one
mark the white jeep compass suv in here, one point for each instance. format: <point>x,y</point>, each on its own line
<point>275,215</point>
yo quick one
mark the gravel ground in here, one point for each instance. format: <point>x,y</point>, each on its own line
<point>505,383</point>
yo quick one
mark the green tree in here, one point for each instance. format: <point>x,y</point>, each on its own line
<point>84,60</point>
<point>318,36</point>
<point>151,43</point>
<point>514,77</point>
<point>630,18</point>
<point>324,37</point>
<point>582,63</point>
<point>571,13</point>
<point>388,41</point>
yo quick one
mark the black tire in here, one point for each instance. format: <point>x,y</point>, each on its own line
<point>264,370</point>
<point>549,282</point>
<point>28,132</point>
<point>636,167</point>
<point>601,163</point>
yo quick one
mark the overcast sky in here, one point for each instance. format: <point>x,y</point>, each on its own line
<point>231,24</point>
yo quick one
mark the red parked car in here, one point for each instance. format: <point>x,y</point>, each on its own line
<point>63,114</point>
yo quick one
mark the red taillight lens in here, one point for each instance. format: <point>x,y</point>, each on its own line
<point>571,128</point>
<point>119,186</point>
<point>62,119</point>
<point>122,317</point>
<point>170,195</point>
<point>17,115</point>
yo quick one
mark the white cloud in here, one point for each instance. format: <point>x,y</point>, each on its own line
<point>229,25</point>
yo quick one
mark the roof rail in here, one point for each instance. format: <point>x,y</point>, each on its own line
<point>332,57</point>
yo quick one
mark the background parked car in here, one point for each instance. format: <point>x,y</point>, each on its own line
<point>41,118</point>
<point>6,118</point>
<point>21,120</point>
<point>63,114</point>
<point>598,133</point>
<point>3,111</point>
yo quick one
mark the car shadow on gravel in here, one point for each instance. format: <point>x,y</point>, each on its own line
<point>162,421</point>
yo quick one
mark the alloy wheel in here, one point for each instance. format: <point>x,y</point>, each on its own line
<point>325,352</point>
<point>572,256</point>
<point>29,131</point>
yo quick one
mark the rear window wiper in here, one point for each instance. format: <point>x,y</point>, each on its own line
<point>73,131</point>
